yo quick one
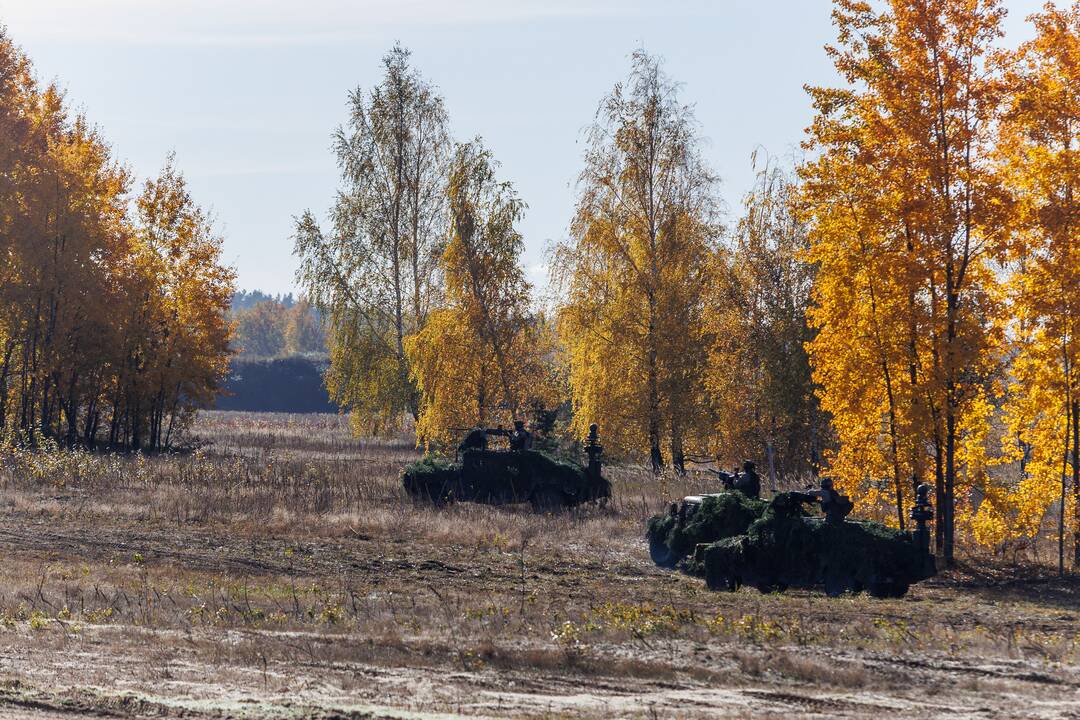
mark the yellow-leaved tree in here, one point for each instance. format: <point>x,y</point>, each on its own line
<point>374,275</point>
<point>1040,147</point>
<point>483,357</point>
<point>634,274</point>
<point>758,374</point>
<point>113,329</point>
<point>906,214</point>
<point>180,304</point>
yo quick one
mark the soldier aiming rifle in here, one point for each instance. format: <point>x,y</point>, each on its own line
<point>747,482</point>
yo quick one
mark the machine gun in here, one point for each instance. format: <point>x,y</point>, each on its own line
<point>727,479</point>
<point>477,438</point>
<point>746,482</point>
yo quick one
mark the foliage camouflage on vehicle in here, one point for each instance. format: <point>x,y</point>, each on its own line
<point>674,535</point>
<point>498,477</point>
<point>783,548</point>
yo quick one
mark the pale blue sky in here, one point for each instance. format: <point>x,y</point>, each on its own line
<point>247,93</point>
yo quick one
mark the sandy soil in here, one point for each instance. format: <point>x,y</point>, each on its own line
<point>426,668</point>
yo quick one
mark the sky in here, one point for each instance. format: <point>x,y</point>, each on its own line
<point>247,93</point>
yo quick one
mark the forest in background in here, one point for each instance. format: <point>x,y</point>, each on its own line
<point>276,326</point>
<point>896,307</point>
<point>281,356</point>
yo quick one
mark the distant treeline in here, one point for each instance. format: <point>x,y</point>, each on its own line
<point>247,299</point>
<point>274,326</point>
<point>293,384</point>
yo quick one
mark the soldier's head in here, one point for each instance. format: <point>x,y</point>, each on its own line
<point>519,424</point>
<point>749,466</point>
<point>826,483</point>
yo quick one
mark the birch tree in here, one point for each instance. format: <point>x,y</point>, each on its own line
<point>633,274</point>
<point>374,275</point>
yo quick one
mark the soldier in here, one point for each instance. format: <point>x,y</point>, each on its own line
<point>748,482</point>
<point>520,438</point>
<point>835,506</point>
<point>475,440</point>
<point>595,451</point>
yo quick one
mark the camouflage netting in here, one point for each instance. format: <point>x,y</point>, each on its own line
<point>784,549</point>
<point>488,476</point>
<point>430,478</point>
<point>532,464</point>
<point>718,517</point>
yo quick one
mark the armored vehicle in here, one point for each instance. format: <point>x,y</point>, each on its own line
<point>504,476</point>
<point>786,548</point>
<point>699,519</point>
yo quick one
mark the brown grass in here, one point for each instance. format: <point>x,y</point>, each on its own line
<point>284,555</point>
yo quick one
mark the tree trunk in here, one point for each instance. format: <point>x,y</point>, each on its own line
<point>655,454</point>
<point>770,459</point>
<point>939,493</point>
<point>678,456</point>
<point>947,513</point>
<point>1064,475</point>
<point>1076,481</point>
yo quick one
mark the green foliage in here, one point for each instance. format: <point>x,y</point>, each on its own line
<point>489,476</point>
<point>374,275</point>
<point>785,548</point>
<point>720,516</point>
<point>430,476</point>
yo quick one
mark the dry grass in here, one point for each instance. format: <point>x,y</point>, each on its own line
<point>283,563</point>
<point>267,472</point>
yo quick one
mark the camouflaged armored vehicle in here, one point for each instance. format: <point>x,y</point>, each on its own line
<point>697,520</point>
<point>505,476</point>
<point>787,548</point>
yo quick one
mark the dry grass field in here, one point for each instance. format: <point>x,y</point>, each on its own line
<point>281,572</point>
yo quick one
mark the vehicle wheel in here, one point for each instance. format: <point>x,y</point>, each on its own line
<point>766,587</point>
<point>662,555</point>
<point>836,584</point>
<point>437,496</point>
<point>547,500</point>
<point>720,582</point>
<point>888,589</point>
<point>444,495</point>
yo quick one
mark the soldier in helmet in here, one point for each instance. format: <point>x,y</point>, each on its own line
<point>835,506</point>
<point>520,438</point>
<point>748,482</point>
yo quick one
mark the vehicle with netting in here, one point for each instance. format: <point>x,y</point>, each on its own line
<point>519,474</point>
<point>696,520</point>
<point>788,548</point>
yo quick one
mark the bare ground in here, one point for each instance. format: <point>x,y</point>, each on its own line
<point>168,591</point>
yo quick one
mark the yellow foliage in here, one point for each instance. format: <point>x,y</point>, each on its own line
<point>112,326</point>
<point>905,298</point>
<point>1039,157</point>
<point>483,358</point>
<point>634,274</point>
